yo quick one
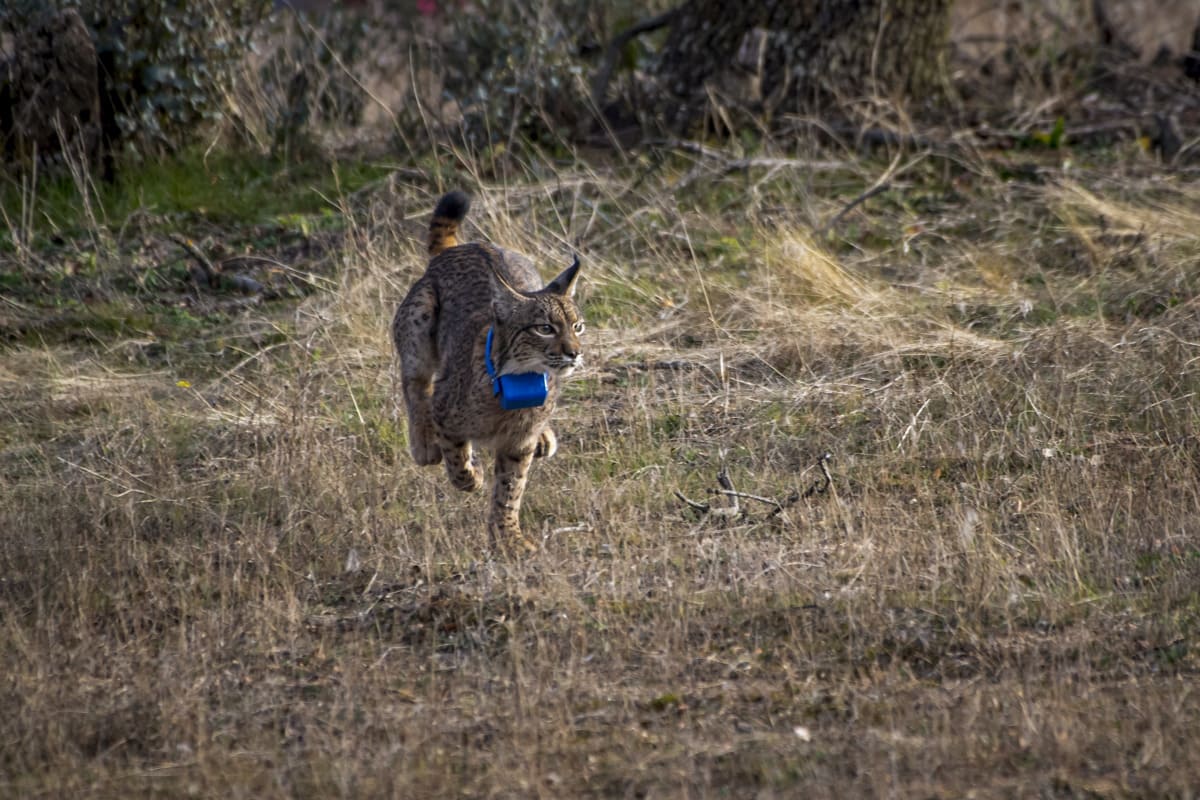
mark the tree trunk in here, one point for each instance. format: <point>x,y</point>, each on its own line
<point>49,96</point>
<point>803,55</point>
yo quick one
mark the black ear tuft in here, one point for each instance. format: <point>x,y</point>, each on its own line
<point>453,206</point>
<point>564,284</point>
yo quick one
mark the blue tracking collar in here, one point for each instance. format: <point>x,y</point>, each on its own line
<point>525,390</point>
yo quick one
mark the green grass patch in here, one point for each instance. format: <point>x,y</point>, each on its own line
<point>222,187</point>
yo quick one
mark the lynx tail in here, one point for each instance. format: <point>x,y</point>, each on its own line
<point>443,228</point>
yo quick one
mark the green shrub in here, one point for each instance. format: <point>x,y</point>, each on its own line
<point>164,65</point>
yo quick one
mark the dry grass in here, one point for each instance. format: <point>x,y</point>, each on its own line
<point>242,587</point>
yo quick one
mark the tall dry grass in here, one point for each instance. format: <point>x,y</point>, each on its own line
<point>221,574</point>
<point>241,586</point>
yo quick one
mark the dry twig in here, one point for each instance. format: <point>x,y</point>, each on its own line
<point>726,165</point>
<point>819,487</point>
<point>208,274</point>
<point>614,48</point>
<point>882,184</point>
<point>726,489</point>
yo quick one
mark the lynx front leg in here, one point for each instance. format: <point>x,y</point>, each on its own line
<point>504,525</point>
<point>461,466</point>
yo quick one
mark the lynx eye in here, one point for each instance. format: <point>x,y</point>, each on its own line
<point>544,330</point>
<point>579,326</point>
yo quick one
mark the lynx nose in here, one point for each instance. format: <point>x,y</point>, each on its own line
<point>570,351</point>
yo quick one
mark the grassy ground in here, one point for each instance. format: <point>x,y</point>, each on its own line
<point>221,574</point>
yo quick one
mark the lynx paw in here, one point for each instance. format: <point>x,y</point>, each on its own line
<point>547,444</point>
<point>425,450</point>
<point>462,467</point>
<point>468,477</point>
<point>510,540</point>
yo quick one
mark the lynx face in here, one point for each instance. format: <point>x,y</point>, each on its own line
<point>541,334</point>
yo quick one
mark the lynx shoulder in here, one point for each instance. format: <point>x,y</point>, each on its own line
<point>484,348</point>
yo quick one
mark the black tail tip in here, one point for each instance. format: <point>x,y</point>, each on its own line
<point>453,205</point>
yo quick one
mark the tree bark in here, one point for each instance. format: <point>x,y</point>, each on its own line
<point>50,96</point>
<point>803,55</point>
<point>1191,61</point>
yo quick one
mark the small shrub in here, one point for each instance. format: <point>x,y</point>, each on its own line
<point>308,76</point>
<point>513,68</point>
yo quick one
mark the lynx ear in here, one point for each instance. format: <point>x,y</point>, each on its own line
<point>564,284</point>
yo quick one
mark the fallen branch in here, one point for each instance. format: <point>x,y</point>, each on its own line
<point>211,275</point>
<point>882,184</point>
<point>746,496</point>
<point>726,165</point>
<point>878,188</point>
<point>309,278</point>
<point>703,508</point>
<point>818,487</point>
<point>726,489</point>
<point>614,48</point>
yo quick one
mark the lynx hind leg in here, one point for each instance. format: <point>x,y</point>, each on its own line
<point>412,331</point>
<point>547,444</point>
<point>504,524</point>
<point>461,465</point>
<point>422,442</point>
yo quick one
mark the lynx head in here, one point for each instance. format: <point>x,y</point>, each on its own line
<point>537,331</point>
